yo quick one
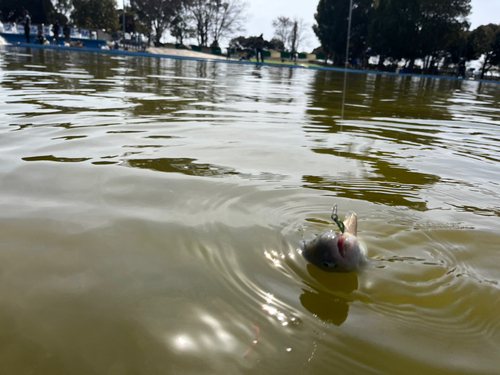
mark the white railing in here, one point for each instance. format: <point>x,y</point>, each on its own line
<point>12,28</point>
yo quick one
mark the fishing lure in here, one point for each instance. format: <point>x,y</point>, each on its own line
<point>336,251</point>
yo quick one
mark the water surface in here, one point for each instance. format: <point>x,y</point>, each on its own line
<point>152,211</point>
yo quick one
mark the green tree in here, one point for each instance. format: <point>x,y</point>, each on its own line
<point>495,51</point>
<point>485,41</point>
<point>456,52</point>
<point>275,44</point>
<point>441,22</point>
<point>331,28</point>
<point>95,14</point>
<point>412,29</point>
<point>242,42</point>
<point>41,11</point>
<point>332,23</point>
<point>393,30</point>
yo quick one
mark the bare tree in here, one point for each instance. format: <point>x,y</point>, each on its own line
<point>297,34</point>
<point>228,18</point>
<point>181,27</point>
<point>218,19</point>
<point>282,26</point>
<point>291,33</point>
<point>202,14</point>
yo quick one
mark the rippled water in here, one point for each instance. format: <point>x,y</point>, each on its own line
<point>151,213</point>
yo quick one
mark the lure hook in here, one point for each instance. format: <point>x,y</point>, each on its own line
<point>336,219</point>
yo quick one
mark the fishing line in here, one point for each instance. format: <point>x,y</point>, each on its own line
<point>334,216</point>
<point>346,61</point>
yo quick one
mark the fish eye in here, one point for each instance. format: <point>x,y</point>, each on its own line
<point>329,265</point>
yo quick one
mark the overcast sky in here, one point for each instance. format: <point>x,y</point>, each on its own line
<point>262,13</point>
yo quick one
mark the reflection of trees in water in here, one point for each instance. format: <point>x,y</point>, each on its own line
<point>88,73</point>
<point>376,95</point>
<point>215,83</point>
<point>383,179</point>
<point>409,97</point>
<point>65,72</point>
<point>185,166</point>
<point>484,89</point>
<point>82,64</point>
<point>387,183</point>
<point>323,300</point>
<point>55,158</point>
<point>282,75</point>
<point>189,167</point>
<point>346,188</point>
<point>164,78</point>
<point>274,86</point>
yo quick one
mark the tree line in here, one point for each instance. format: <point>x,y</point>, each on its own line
<point>208,21</point>
<point>435,33</point>
<point>432,33</point>
<point>96,14</point>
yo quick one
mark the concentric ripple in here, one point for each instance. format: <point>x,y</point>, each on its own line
<point>153,213</point>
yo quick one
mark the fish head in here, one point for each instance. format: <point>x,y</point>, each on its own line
<point>334,252</point>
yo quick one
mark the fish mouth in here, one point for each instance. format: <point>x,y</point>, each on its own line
<point>340,246</point>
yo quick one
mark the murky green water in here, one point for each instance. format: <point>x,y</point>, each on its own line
<point>151,212</point>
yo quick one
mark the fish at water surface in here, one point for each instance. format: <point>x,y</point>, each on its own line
<point>336,252</point>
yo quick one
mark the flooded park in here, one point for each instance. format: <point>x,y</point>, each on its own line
<point>153,213</point>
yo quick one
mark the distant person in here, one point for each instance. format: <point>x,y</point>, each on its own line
<point>259,43</point>
<point>27,25</point>
<point>40,38</point>
<point>228,54</point>
<point>66,32</point>
<point>55,30</point>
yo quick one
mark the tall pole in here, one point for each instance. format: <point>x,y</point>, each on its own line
<point>346,61</point>
<point>123,20</point>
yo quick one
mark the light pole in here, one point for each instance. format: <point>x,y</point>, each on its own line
<point>346,61</point>
<point>123,21</point>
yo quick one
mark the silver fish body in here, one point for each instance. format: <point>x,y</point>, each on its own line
<point>336,252</point>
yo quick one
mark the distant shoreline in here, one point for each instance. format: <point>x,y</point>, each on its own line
<point>186,56</point>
